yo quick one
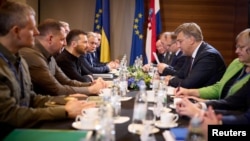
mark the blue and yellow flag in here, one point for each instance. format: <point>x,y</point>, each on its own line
<point>137,47</point>
<point>102,25</point>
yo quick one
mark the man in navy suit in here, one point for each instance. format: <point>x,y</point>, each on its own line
<point>178,59</point>
<point>164,54</point>
<point>88,59</point>
<point>206,65</point>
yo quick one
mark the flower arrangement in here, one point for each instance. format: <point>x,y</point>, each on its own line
<point>136,77</point>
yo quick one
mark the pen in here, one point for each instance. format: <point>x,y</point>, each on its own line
<point>178,87</point>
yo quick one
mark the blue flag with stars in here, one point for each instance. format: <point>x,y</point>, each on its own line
<point>137,47</point>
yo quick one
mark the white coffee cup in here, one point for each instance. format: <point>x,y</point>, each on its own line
<point>168,118</point>
<point>176,101</point>
<point>90,112</point>
<point>106,92</point>
<point>170,90</point>
<point>85,121</point>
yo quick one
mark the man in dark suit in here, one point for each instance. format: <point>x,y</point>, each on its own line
<point>178,58</point>
<point>206,65</point>
<point>166,39</point>
<point>88,60</point>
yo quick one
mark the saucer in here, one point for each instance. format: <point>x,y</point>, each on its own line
<point>160,125</point>
<point>138,129</point>
<point>172,106</point>
<point>77,125</point>
<point>125,98</point>
<point>121,119</point>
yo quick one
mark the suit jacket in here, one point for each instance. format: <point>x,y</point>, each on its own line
<point>98,54</point>
<point>207,68</point>
<point>238,103</point>
<point>92,67</point>
<point>46,76</point>
<point>178,61</point>
<point>96,60</point>
<point>20,106</point>
<point>70,66</point>
<point>214,91</point>
<point>165,58</point>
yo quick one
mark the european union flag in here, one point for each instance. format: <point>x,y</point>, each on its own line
<point>102,26</point>
<point>137,47</point>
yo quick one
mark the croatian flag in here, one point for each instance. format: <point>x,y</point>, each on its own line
<point>153,29</point>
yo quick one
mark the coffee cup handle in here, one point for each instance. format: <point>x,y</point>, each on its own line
<point>78,118</point>
<point>176,117</point>
<point>83,112</point>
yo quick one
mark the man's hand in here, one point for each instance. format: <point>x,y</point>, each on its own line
<point>74,107</point>
<point>161,67</point>
<point>97,86</point>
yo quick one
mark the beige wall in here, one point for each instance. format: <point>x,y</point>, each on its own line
<point>80,14</point>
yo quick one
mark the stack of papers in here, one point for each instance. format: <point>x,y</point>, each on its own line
<point>103,75</point>
<point>45,135</point>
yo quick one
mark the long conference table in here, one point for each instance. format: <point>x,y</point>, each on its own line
<point>122,133</point>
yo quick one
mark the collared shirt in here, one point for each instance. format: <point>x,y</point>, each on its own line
<point>46,76</point>
<point>13,104</point>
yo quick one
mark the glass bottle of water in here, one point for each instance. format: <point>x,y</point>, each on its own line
<point>115,102</point>
<point>195,130</point>
<point>155,80</point>
<point>123,83</point>
<point>106,128</point>
<point>140,106</point>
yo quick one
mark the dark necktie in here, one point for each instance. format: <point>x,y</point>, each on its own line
<point>90,59</point>
<point>191,65</point>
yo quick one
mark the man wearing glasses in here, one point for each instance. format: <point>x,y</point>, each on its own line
<point>206,65</point>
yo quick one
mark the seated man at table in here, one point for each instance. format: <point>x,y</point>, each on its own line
<point>88,59</point>
<point>68,60</point>
<point>46,76</point>
<point>163,53</point>
<point>20,107</point>
<point>206,65</point>
<point>235,76</point>
<point>178,59</point>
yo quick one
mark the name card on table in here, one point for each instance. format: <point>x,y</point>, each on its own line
<point>46,135</point>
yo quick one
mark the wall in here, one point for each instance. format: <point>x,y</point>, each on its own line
<point>220,20</point>
<point>80,14</point>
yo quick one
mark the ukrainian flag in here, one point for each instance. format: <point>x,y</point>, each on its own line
<point>102,25</point>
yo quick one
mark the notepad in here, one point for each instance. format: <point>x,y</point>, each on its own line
<point>103,75</point>
<point>179,133</point>
<point>45,135</point>
<point>156,58</point>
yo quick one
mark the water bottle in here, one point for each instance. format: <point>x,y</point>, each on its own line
<point>115,102</point>
<point>195,130</point>
<point>106,128</point>
<point>155,80</point>
<point>140,106</point>
<point>123,82</point>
